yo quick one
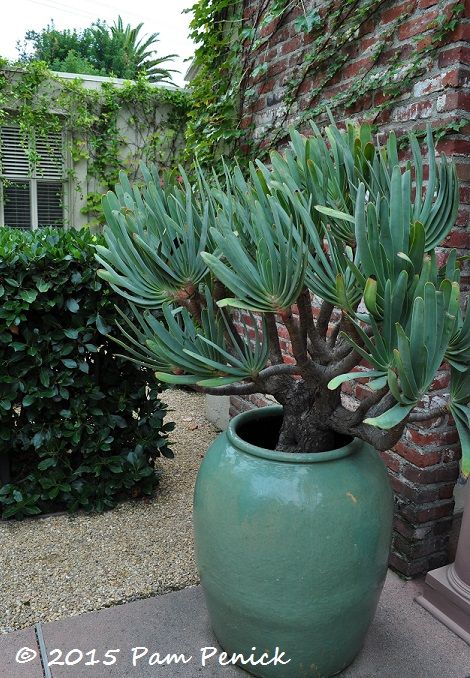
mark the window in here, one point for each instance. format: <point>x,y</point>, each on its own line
<point>31,196</point>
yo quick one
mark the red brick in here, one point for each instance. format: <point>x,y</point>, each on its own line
<point>396,11</point>
<point>413,111</point>
<point>412,532</point>
<point>292,45</point>
<point>289,359</point>
<point>415,493</point>
<point>355,68</point>
<point>420,458</point>
<point>424,4</point>
<point>418,549</point>
<point>462,32</point>
<point>463,217</point>
<point>463,171</point>
<point>455,55</point>
<point>446,491</point>
<point>424,43</point>
<point>267,30</point>
<point>259,105</point>
<point>430,437</point>
<point>465,193</point>
<point>367,42</point>
<point>415,25</point>
<point>391,460</point>
<point>453,78</point>
<point>458,239</point>
<point>417,567</point>
<point>434,511</point>
<point>432,474</point>
<point>455,100</point>
<point>246,121</point>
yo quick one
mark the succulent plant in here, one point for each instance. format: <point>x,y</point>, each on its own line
<point>338,218</point>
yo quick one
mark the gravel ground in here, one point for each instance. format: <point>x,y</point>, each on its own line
<point>63,565</point>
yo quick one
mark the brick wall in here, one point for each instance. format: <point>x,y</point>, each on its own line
<point>424,464</point>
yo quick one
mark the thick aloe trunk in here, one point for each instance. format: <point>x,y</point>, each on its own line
<point>306,423</point>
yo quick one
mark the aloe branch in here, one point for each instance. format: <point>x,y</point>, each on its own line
<point>275,352</point>
<point>317,347</point>
<point>307,367</point>
<point>326,311</point>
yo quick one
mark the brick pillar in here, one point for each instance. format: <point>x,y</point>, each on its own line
<point>424,465</point>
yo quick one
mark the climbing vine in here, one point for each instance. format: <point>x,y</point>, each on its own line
<point>237,53</point>
<point>109,128</point>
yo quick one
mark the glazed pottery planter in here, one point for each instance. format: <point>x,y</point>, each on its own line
<point>292,549</point>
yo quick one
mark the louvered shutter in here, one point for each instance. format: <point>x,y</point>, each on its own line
<point>49,150</point>
<point>17,204</point>
<point>14,159</point>
<point>49,200</point>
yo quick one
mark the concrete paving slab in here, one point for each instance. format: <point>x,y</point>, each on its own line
<point>19,655</point>
<point>174,623</point>
<point>404,641</point>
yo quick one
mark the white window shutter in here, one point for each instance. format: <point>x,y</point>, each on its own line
<point>13,159</point>
<point>17,204</point>
<point>50,156</point>
<point>49,197</point>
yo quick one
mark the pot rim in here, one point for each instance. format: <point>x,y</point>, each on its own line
<point>285,457</point>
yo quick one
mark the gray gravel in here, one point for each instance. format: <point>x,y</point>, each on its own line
<point>64,565</point>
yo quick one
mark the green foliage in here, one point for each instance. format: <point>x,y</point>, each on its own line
<point>215,87</point>
<point>68,405</point>
<point>155,116</point>
<point>98,50</point>
<point>335,216</point>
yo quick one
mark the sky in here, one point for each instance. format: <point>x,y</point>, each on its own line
<point>158,16</point>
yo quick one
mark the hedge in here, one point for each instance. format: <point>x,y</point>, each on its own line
<point>79,426</point>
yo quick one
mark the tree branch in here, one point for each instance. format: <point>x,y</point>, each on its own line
<point>274,370</point>
<point>275,353</point>
<point>373,399</point>
<point>342,366</point>
<point>324,316</point>
<point>230,389</point>
<point>317,347</point>
<point>342,421</point>
<point>258,385</point>
<point>334,334</point>
<point>308,368</point>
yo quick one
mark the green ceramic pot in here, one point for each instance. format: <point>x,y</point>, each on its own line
<point>292,549</point>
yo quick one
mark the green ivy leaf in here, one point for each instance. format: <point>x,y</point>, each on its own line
<point>308,21</point>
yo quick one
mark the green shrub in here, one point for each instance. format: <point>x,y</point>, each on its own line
<point>79,426</point>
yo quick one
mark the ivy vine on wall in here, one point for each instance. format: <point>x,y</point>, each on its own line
<point>232,59</point>
<point>110,127</point>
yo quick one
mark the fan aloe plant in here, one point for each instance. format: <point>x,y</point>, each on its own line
<point>336,218</point>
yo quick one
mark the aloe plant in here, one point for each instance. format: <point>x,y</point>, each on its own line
<point>337,217</point>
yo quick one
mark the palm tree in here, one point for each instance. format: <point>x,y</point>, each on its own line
<point>121,52</point>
